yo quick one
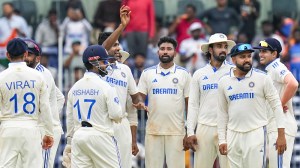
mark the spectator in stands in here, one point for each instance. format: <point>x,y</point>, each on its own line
<point>76,4</point>
<point>138,67</point>
<point>73,63</point>
<point>46,36</point>
<point>267,31</point>
<point>249,12</point>
<point>242,38</point>
<point>107,16</point>
<point>294,54</point>
<point>182,23</point>
<point>47,31</point>
<point>220,19</point>
<point>190,49</point>
<point>12,26</point>
<point>141,28</point>
<point>75,28</point>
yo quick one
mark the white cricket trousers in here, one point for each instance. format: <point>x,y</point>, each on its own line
<point>123,136</point>
<point>161,147</point>
<point>94,149</point>
<point>20,138</point>
<point>208,148</point>
<point>287,156</point>
<point>247,149</point>
<point>50,154</point>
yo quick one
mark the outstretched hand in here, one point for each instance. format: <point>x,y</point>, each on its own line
<point>125,15</point>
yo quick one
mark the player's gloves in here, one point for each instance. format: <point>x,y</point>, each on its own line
<point>67,156</point>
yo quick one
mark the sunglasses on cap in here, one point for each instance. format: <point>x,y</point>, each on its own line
<point>265,44</point>
<point>32,45</point>
<point>244,47</point>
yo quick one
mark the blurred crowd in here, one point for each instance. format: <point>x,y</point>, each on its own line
<point>235,18</point>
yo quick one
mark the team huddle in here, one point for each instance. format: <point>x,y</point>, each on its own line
<point>225,110</point>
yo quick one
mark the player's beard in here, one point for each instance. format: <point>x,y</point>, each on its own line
<point>246,67</point>
<point>31,64</point>
<point>166,59</point>
<point>221,57</point>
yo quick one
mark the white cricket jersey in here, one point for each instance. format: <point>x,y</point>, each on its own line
<point>51,87</point>
<point>24,95</point>
<point>123,81</point>
<point>203,95</point>
<point>242,102</point>
<point>94,100</point>
<point>166,90</point>
<point>278,72</point>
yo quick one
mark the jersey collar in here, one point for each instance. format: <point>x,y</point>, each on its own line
<point>91,74</point>
<point>215,69</point>
<point>248,75</point>
<point>13,64</point>
<point>172,70</point>
<point>269,65</point>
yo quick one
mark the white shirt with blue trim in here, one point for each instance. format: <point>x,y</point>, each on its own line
<point>93,100</point>
<point>125,85</point>
<point>24,96</point>
<point>243,103</point>
<point>278,71</point>
<point>166,90</point>
<point>203,96</point>
<point>51,87</point>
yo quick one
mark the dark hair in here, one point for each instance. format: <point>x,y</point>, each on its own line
<point>207,54</point>
<point>192,7</point>
<point>266,22</point>
<point>88,66</point>
<point>103,36</point>
<point>167,39</point>
<point>9,3</point>
<point>52,12</point>
<point>76,43</point>
<point>14,57</point>
<point>137,54</point>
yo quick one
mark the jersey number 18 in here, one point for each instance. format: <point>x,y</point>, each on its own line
<point>28,99</point>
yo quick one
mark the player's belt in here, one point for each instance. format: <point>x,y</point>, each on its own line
<point>86,124</point>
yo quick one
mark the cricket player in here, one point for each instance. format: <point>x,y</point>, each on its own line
<point>33,61</point>
<point>92,107</point>
<point>286,86</point>
<point>24,101</point>
<point>242,115</point>
<point>167,87</point>
<point>121,78</point>
<point>202,103</point>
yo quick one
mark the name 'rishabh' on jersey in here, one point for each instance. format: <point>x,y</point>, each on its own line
<point>94,100</point>
<point>278,71</point>
<point>166,90</point>
<point>245,100</point>
<point>123,81</point>
<point>203,95</point>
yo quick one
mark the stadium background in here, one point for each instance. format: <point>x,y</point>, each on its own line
<point>35,10</point>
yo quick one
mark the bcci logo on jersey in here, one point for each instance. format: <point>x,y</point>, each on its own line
<point>175,80</point>
<point>251,84</point>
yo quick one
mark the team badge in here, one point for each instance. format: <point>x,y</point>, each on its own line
<point>123,74</point>
<point>175,80</point>
<point>222,36</point>
<point>251,84</point>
